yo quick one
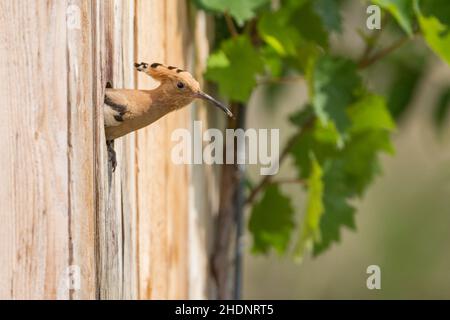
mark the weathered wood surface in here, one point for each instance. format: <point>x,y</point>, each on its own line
<point>69,227</point>
<point>46,206</point>
<point>116,210</point>
<point>162,216</point>
<point>80,144</point>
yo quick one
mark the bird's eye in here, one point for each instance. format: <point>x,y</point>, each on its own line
<point>180,85</point>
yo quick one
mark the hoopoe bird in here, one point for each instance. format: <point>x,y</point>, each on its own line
<point>127,110</point>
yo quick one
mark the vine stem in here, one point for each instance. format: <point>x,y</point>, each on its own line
<point>288,147</point>
<point>368,61</point>
<point>288,181</point>
<point>371,41</point>
<point>230,25</point>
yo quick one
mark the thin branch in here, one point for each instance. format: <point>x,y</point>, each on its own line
<point>364,63</point>
<point>230,25</point>
<point>288,147</point>
<point>372,40</point>
<point>288,181</point>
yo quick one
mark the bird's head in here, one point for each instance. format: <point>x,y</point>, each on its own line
<point>180,83</point>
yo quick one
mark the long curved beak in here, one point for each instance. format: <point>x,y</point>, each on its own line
<point>218,104</point>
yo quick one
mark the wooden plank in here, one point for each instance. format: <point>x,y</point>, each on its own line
<point>124,77</point>
<point>129,159</point>
<point>177,46</point>
<point>109,229</point>
<point>151,167</point>
<point>81,158</point>
<point>116,211</point>
<point>108,271</point>
<point>204,180</point>
<point>34,210</point>
<point>162,187</point>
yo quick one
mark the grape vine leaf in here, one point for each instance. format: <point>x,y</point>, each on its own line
<point>234,68</point>
<point>238,9</point>
<point>310,24</point>
<point>335,85</point>
<point>360,158</point>
<point>438,8</point>
<point>271,221</point>
<point>277,33</point>
<point>401,10</point>
<point>347,171</point>
<point>370,112</point>
<point>337,211</point>
<point>405,81</point>
<point>272,61</point>
<point>321,140</point>
<point>310,226</point>
<point>345,177</point>
<point>329,12</point>
<point>435,32</point>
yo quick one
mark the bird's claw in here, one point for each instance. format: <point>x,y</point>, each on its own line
<point>112,155</point>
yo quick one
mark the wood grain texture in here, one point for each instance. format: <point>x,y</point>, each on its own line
<point>115,248</point>
<point>106,266</point>
<point>45,206</point>
<point>204,181</point>
<point>178,45</point>
<point>124,73</point>
<point>81,146</point>
<point>162,217</point>
<point>151,166</point>
<point>70,228</point>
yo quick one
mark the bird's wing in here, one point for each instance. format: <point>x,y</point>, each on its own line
<point>118,106</point>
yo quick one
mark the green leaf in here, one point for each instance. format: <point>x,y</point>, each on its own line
<point>438,8</point>
<point>234,68</point>
<point>302,117</point>
<point>271,222</point>
<point>338,213</point>
<point>335,83</point>
<point>310,230</point>
<point>277,33</point>
<point>272,61</point>
<point>370,112</point>
<point>329,12</point>
<point>442,109</point>
<point>347,171</point>
<point>307,54</point>
<point>401,10</point>
<point>347,176</point>
<point>360,158</point>
<point>321,140</point>
<point>437,36</point>
<point>309,24</point>
<point>238,9</point>
<point>403,87</point>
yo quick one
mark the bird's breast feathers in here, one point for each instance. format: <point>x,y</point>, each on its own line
<point>112,117</point>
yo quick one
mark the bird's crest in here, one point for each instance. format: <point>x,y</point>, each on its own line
<point>161,72</point>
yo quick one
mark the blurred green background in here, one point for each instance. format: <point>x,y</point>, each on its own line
<point>403,220</point>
